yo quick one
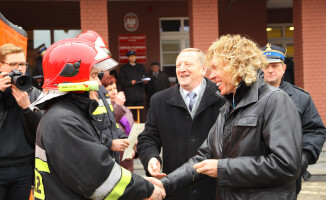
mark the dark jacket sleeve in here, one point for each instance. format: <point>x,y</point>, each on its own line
<point>83,164</point>
<point>314,132</point>
<point>149,142</point>
<point>31,118</point>
<point>282,138</point>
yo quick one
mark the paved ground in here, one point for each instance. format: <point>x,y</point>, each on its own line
<point>313,191</point>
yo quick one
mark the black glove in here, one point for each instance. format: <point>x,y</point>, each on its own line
<point>304,165</point>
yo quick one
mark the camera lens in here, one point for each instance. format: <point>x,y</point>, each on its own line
<point>22,82</point>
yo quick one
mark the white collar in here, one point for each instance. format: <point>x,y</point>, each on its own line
<point>196,90</point>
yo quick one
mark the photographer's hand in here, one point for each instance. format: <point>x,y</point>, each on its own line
<point>21,97</point>
<point>5,81</point>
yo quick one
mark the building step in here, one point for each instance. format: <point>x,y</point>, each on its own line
<point>318,170</point>
<point>138,168</point>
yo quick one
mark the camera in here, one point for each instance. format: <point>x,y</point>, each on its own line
<point>21,81</point>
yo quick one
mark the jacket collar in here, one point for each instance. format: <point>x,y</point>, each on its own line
<point>81,100</point>
<point>209,97</point>
<point>286,87</point>
<point>244,94</point>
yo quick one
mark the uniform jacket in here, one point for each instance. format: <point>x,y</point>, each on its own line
<point>70,160</point>
<point>314,131</point>
<point>128,73</point>
<point>169,125</point>
<point>106,124</point>
<point>158,83</point>
<point>257,144</point>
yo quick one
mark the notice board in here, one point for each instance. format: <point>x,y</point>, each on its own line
<point>136,42</point>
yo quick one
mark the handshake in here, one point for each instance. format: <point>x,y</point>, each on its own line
<point>207,167</point>
<point>159,191</point>
<point>154,168</point>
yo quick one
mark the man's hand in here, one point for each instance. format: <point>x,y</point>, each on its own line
<point>158,194</point>
<point>21,97</point>
<point>119,144</point>
<point>154,168</point>
<point>133,82</point>
<point>208,167</point>
<point>120,98</point>
<point>5,81</point>
<point>155,181</point>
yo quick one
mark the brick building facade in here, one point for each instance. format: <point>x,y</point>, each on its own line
<point>207,20</point>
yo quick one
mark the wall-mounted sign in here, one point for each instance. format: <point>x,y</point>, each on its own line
<point>135,42</point>
<point>131,21</point>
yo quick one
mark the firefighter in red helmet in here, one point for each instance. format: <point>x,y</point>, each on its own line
<point>112,136</point>
<point>70,161</point>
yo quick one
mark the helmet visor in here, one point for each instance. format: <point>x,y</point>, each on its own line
<point>106,65</point>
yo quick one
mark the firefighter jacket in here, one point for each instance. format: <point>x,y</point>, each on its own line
<point>70,161</point>
<point>106,125</point>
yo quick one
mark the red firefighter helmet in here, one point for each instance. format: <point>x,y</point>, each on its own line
<point>95,38</point>
<point>70,61</point>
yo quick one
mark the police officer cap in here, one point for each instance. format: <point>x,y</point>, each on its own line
<point>131,52</point>
<point>41,49</point>
<point>274,53</point>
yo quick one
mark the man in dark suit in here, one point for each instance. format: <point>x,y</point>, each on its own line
<point>159,80</point>
<point>179,120</point>
<point>131,78</point>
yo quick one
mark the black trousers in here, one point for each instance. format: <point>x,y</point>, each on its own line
<point>16,182</point>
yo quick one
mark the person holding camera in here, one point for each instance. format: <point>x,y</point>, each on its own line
<point>18,125</point>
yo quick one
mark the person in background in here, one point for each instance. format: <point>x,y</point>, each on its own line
<point>253,151</point>
<point>37,73</point>
<point>18,125</point>
<point>122,114</point>
<point>178,122</point>
<point>131,79</point>
<point>159,80</point>
<point>313,129</point>
<point>70,160</point>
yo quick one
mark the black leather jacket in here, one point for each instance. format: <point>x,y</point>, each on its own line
<point>257,144</point>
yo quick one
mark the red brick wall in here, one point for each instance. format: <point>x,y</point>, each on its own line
<point>310,42</point>
<point>148,15</point>
<point>203,18</point>
<point>93,16</point>
<point>42,14</point>
<point>248,18</point>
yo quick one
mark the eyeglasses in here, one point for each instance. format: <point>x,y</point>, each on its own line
<point>16,65</point>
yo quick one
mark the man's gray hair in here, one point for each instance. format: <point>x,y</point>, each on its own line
<point>200,55</point>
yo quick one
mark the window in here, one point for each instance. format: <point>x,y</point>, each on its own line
<point>281,35</point>
<point>174,36</point>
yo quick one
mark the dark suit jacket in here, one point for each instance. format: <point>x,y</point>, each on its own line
<point>157,84</point>
<point>169,125</point>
